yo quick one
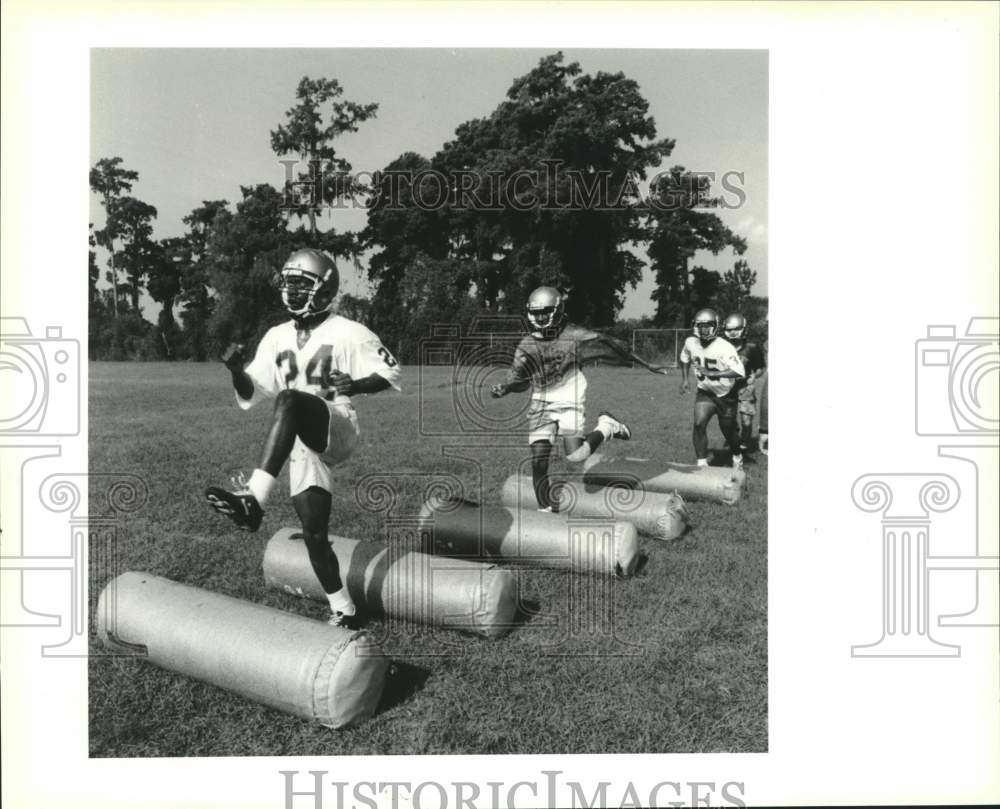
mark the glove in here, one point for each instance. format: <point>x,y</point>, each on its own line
<point>234,357</point>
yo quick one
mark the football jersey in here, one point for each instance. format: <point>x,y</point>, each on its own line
<point>718,355</point>
<point>753,363</point>
<point>336,344</point>
<point>553,365</point>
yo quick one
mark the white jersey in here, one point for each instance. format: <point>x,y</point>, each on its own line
<point>718,355</point>
<point>336,344</point>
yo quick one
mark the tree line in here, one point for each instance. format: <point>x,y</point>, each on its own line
<point>553,187</point>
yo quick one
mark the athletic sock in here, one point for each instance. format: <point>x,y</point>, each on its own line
<point>260,485</point>
<point>340,601</point>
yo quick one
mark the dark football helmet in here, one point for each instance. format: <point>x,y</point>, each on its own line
<point>308,282</point>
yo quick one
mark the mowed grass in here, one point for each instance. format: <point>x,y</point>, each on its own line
<point>684,669</point>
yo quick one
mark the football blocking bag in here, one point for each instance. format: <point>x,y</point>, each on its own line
<point>450,593</point>
<point>455,527</point>
<point>657,515</point>
<point>300,666</point>
<point>716,483</point>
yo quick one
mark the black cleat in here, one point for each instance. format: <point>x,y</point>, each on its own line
<point>241,507</point>
<point>344,621</point>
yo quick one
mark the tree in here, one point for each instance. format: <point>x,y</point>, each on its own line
<point>307,135</point>
<point>678,227</point>
<point>109,180</point>
<point>130,221</point>
<point>169,261</point>
<point>243,251</point>
<point>736,287</point>
<point>584,143</point>
<point>195,296</point>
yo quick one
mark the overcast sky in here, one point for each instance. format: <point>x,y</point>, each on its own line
<point>195,124</point>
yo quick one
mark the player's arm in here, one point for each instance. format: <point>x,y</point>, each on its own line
<point>727,368</point>
<point>594,343</point>
<point>518,377</point>
<point>377,370</point>
<point>234,359</point>
<point>685,362</point>
<point>345,385</point>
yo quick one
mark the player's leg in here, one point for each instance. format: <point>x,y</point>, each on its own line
<point>704,409</point>
<point>763,439</point>
<point>747,410</point>
<point>297,416</point>
<point>578,449</point>
<point>313,507</point>
<point>310,483</point>
<point>543,428</point>
<point>541,456</point>
<point>730,427</point>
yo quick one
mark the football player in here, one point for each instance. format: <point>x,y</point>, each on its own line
<point>310,366</point>
<point>549,361</point>
<point>718,367</point>
<point>762,427</point>
<point>753,364</point>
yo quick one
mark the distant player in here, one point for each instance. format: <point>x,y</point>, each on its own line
<point>762,428</point>
<point>311,366</point>
<point>549,361</point>
<point>753,364</point>
<point>718,367</point>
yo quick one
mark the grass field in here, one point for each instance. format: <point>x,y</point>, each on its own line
<point>685,669</point>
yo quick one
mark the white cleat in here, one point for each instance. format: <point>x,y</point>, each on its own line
<point>619,429</point>
<point>737,466</point>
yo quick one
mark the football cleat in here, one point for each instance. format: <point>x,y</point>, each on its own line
<point>308,282</point>
<point>343,620</point>
<point>241,507</point>
<point>735,327</point>
<point>546,510</point>
<point>619,429</point>
<point>546,308</point>
<point>706,325</point>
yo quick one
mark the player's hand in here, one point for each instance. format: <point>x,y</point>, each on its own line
<point>685,386</point>
<point>342,383</point>
<point>498,391</point>
<point>234,356</point>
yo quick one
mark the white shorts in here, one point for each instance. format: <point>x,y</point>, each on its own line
<point>546,420</point>
<point>308,468</point>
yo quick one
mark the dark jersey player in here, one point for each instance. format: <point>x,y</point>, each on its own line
<point>549,361</point>
<point>753,364</point>
<point>718,367</point>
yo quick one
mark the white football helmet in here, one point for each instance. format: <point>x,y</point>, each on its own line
<point>735,327</point>
<point>546,308</point>
<point>706,325</point>
<point>308,282</point>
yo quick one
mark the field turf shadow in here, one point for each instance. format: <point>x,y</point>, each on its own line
<point>402,683</point>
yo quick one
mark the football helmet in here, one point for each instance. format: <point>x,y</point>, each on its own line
<point>706,324</point>
<point>735,327</point>
<point>546,308</point>
<point>308,282</point>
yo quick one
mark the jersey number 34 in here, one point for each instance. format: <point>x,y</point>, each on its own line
<point>320,368</point>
